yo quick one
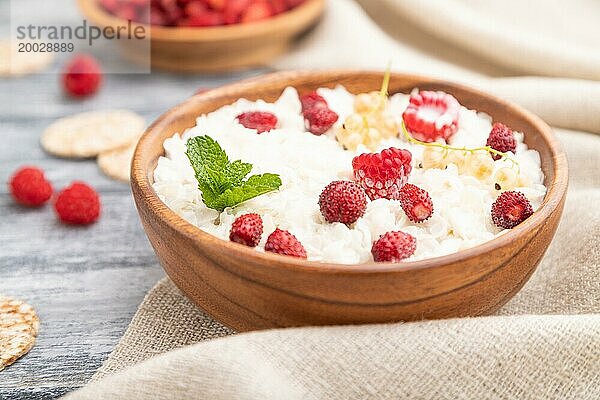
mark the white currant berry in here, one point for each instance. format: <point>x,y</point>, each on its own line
<point>365,103</point>
<point>480,166</point>
<point>354,122</point>
<point>506,178</point>
<point>434,157</point>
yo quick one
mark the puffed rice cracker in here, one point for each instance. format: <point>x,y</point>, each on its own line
<point>19,326</point>
<point>116,163</point>
<point>89,134</point>
<point>13,63</point>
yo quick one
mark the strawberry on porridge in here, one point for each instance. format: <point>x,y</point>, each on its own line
<point>336,177</point>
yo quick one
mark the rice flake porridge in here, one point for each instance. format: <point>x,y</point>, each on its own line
<point>463,187</point>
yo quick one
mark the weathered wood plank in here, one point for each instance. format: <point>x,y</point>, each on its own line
<point>86,282</point>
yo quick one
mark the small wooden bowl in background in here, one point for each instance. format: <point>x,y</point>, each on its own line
<point>249,290</point>
<point>214,49</point>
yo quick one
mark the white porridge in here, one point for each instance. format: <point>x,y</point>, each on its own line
<point>462,195</point>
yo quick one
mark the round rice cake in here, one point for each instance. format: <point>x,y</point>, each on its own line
<point>88,134</point>
<point>19,64</point>
<point>116,164</point>
<point>19,326</point>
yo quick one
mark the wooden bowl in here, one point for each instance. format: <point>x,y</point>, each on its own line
<point>248,290</point>
<point>213,49</point>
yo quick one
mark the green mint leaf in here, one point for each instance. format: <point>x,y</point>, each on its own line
<point>255,186</point>
<point>237,171</point>
<point>209,162</point>
<point>222,182</point>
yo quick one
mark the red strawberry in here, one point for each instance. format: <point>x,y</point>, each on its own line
<point>416,203</point>
<point>110,5</point>
<point>431,115</point>
<point>127,12</point>
<point>247,229</point>
<point>207,18</point>
<point>501,138</point>
<point>233,10</point>
<point>256,11</point>
<point>283,242</point>
<point>195,8</point>
<point>394,247</point>
<point>278,6</point>
<point>218,5</point>
<point>259,120</point>
<point>82,76</point>
<point>510,209</point>
<point>319,120</point>
<point>157,17</point>
<point>383,174</point>
<point>312,100</point>
<point>294,3</point>
<point>30,187</point>
<point>343,201</point>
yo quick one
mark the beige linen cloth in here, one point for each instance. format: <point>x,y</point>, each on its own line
<point>544,344</point>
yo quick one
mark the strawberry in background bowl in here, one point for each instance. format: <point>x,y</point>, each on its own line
<point>207,35</point>
<point>198,13</point>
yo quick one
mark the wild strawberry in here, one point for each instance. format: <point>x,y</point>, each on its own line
<point>247,229</point>
<point>383,174</point>
<point>510,209</point>
<point>157,17</point>
<point>259,120</point>
<point>294,3</point>
<point>233,10</point>
<point>256,11</point>
<point>78,204</point>
<point>195,8</point>
<point>312,100</point>
<point>127,12</point>
<point>218,5</point>
<point>283,242</point>
<point>82,76</point>
<point>278,6</point>
<point>343,201</point>
<point>394,247</point>
<point>110,5</point>
<point>416,203</point>
<point>29,187</point>
<point>207,18</point>
<point>319,120</point>
<point>431,115</point>
<point>501,138</point>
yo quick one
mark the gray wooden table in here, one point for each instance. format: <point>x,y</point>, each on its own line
<point>85,282</point>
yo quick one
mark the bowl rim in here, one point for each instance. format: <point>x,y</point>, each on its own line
<point>298,16</point>
<point>140,180</point>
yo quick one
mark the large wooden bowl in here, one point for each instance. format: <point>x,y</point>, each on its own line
<point>248,290</point>
<point>213,49</point>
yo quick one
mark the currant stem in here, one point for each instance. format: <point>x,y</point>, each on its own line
<point>452,148</point>
<point>386,82</point>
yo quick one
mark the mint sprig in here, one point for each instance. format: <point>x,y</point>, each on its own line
<point>223,183</point>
